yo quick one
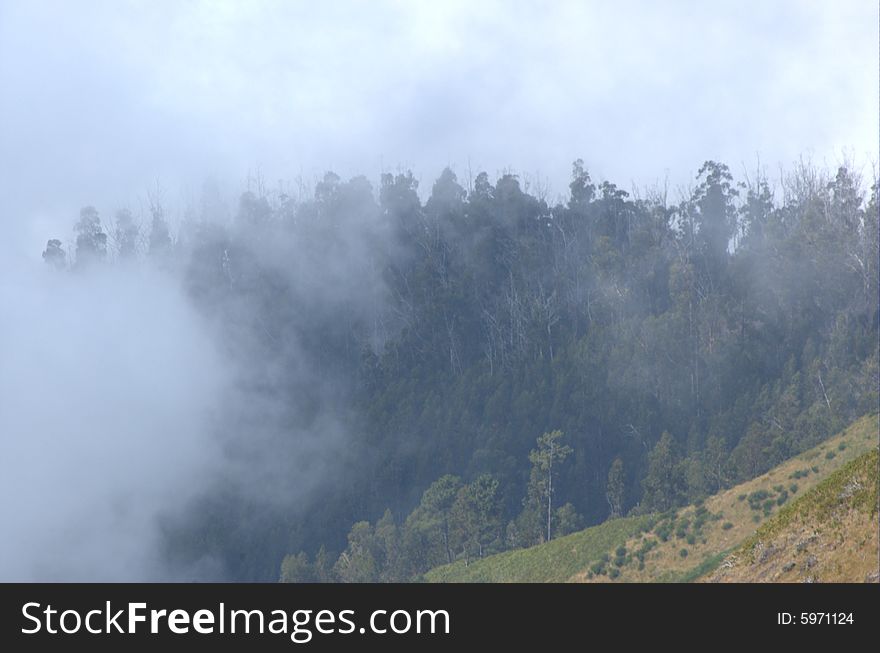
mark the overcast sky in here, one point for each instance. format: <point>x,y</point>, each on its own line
<point>98,100</point>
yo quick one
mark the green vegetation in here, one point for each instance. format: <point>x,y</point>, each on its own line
<point>703,568</point>
<point>829,533</point>
<point>820,503</point>
<point>549,363</point>
<point>554,561</point>
<point>651,551</point>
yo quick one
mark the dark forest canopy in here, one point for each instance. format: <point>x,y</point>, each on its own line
<point>665,350</point>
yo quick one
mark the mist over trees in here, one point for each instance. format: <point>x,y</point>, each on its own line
<point>420,382</point>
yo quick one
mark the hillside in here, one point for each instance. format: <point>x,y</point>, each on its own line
<point>678,546</point>
<point>553,562</point>
<point>828,535</point>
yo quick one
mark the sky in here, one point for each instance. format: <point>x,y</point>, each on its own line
<point>100,101</point>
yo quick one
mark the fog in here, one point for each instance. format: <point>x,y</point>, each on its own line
<point>102,98</point>
<point>130,392</point>
<point>109,388</point>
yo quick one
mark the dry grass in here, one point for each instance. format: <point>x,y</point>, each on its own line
<point>829,535</point>
<point>733,520</point>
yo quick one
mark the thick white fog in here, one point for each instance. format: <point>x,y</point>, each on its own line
<point>108,388</point>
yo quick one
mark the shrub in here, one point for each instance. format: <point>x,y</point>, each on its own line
<point>777,488</point>
<point>613,573</point>
<point>727,525</point>
<point>756,497</point>
<point>691,539</point>
<point>741,497</point>
<point>793,487</point>
<point>597,568</point>
<point>756,518</point>
<point>783,497</point>
<point>830,455</point>
<point>815,469</point>
<point>621,551</point>
<point>619,561</point>
<point>664,531</point>
<point>841,446</point>
<point>683,553</point>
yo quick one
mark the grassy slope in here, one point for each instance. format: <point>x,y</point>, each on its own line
<point>828,535</point>
<point>708,532</point>
<point>555,561</point>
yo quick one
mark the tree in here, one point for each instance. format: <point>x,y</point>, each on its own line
<point>568,520</point>
<point>127,233</point>
<point>54,254</point>
<point>91,241</point>
<point>160,239</point>
<point>616,489</point>
<point>549,454</point>
<point>427,529</point>
<point>323,566</point>
<point>357,564</point>
<point>297,569</point>
<point>664,483</point>
<point>476,516</point>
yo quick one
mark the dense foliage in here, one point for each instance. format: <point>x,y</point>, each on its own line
<point>666,349</point>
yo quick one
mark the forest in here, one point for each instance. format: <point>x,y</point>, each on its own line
<point>435,376</point>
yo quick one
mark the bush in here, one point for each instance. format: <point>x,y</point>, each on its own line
<point>613,573</point>
<point>683,553</point>
<point>830,455</point>
<point>621,551</point>
<point>741,497</point>
<point>777,488</point>
<point>597,568</point>
<point>783,497</point>
<point>691,539</point>
<point>756,518</point>
<point>841,446</point>
<point>727,525</point>
<point>815,469</point>
<point>756,497</point>
<point>619,561</point>
<point>664,531</point>
<point>793,487</point>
